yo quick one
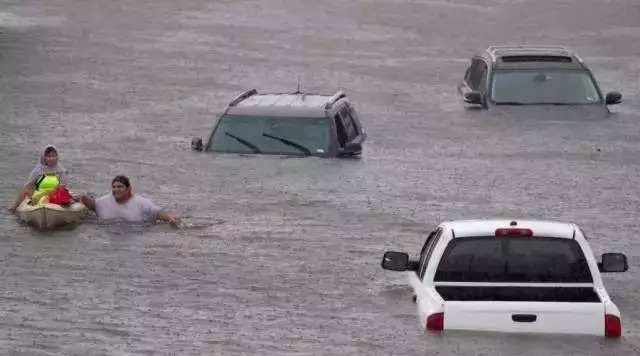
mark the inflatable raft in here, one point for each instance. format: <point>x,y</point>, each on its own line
<point>50,216</point>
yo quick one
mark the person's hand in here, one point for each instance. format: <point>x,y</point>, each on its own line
<point>175,221</point>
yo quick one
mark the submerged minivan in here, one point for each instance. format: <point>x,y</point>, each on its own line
<point>303,124</point>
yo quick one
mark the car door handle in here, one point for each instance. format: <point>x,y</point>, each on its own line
<point>524,318</point>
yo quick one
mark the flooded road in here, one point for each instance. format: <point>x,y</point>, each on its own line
<point>282,256</point>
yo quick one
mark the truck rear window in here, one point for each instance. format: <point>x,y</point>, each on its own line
<point>513,259</point>
<point>519,294</point>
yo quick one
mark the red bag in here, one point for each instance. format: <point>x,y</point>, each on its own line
<point>60,196</point>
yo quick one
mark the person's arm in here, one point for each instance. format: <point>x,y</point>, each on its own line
<point>64,179</point>
<point>169,217</point>
<point>25,190</point>
<point>89,202</point>
<point>22,193</point>
<point>153,210</point>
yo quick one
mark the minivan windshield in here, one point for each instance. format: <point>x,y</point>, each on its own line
<point>530,87</point>
<point>513,259</point>
<point>272,135</point>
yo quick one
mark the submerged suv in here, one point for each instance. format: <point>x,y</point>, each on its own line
<point>287,124</point>
<point>520,276</point>
<point>532,75</point>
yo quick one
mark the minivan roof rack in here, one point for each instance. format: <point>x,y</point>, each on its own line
<point>337,96</point>
<point>242,96</point>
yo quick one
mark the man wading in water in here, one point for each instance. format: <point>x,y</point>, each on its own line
<point>122,205</point>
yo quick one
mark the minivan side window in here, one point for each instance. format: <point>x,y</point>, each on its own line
<point>467,74</point>
<point>340,131</point>
<point>349,125</point>
<point>354,117</point>
<point>482,82</point>
<point>478,74</point>
<point>471,70</point>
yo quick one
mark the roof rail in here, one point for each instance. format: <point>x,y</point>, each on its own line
<point>521,47</point>
<point>337,96</point>
<point>533,50</point>
<point>514,48</point>
<point>243,96</point>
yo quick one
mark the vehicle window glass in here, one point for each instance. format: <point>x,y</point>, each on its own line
<point>423,259</point>
<point>478,72</point>
<point>482,81</point>
<point>513,259</point>
<point>340,132</point>
<point>354,117</point>
<point>473,68</point>
<point>427,243</point>
<point>474,73</point>
<point>349,126</point>
<point>467,74</point>
<point>236,133</point>
<point>427,250</point>
<point>540,87</point>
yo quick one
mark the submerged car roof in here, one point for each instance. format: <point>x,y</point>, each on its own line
<point>476,228</point>
<point>283,104</point>
<point>534,57</point>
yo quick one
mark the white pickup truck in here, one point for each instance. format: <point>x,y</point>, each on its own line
<point>511,276</point>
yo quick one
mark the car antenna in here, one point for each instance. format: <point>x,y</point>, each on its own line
<point>298,89</point>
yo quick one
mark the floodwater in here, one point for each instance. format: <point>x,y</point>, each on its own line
<point>282,256</point>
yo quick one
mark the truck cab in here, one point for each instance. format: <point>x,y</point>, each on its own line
<point>511,276</point>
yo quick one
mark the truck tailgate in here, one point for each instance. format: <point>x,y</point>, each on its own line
<point>535,317</point>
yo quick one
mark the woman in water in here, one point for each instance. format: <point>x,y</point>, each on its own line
<point>44,178</point>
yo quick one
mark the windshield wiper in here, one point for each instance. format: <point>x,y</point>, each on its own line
<point>289,143</point>
<point>560,104</point>
<point>244,142</point>
<point>541,103</point>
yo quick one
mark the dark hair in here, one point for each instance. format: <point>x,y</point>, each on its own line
<point>122,179</point>
<point>50,150</point>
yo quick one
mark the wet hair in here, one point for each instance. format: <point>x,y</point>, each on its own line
<point>123,180</point>
<point>50,150</point>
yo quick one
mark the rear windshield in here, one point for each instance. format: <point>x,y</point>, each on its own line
<point>513,259</point>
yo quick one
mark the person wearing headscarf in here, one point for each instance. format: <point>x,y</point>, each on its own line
<point>122,205</point>
<point>44,178</point>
